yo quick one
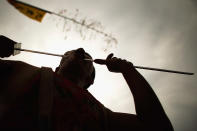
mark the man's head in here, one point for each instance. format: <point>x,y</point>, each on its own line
<point>75,68</point>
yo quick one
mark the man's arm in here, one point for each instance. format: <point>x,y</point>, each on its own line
<point>148,108</point>
<point>149,112</point>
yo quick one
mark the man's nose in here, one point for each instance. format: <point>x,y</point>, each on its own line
<point>80,52</point>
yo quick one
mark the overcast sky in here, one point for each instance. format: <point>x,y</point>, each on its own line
<point>155,33</point>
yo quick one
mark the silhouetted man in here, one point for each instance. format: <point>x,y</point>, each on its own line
<point>33,98</point>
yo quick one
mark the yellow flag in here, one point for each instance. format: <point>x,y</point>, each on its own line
<point>29,10</point>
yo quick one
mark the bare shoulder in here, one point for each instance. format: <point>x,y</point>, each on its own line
<point>123,121</point>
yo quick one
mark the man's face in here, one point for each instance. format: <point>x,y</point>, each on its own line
<point>74,65</point>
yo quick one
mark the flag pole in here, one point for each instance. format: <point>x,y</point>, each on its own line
<point>17,1</point>
<point>138,67</point>
<point>68,18</point>
<point>83,24</point>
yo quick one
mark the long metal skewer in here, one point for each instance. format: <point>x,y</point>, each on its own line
<point>164,70</point>
<point>156,69</point>
<point>139,67</point>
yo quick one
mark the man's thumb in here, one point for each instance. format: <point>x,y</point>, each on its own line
<point>100,61</point>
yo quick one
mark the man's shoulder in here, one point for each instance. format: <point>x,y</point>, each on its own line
<point>15,65</point>
<point>17,73</point>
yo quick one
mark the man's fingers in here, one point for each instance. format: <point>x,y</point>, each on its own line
<point>100,61</point>
<point>103,62</point>
<point>109,56</point>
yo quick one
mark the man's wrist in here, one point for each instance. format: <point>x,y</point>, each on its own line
<point>129,68</point>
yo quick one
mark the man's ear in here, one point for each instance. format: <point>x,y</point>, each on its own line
<point>57,69</point>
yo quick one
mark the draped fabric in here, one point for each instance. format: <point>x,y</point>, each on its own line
<point>74,109</point>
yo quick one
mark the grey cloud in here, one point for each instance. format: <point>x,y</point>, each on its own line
<point>157,33</point>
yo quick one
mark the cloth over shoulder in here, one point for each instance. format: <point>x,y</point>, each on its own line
<point>50,102</point>
<point>76,109</point>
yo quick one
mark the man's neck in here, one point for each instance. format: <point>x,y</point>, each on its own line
<point>79,82</point>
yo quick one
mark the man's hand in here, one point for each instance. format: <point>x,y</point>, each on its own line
<point>115,64</point>
<point>6,46</point>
